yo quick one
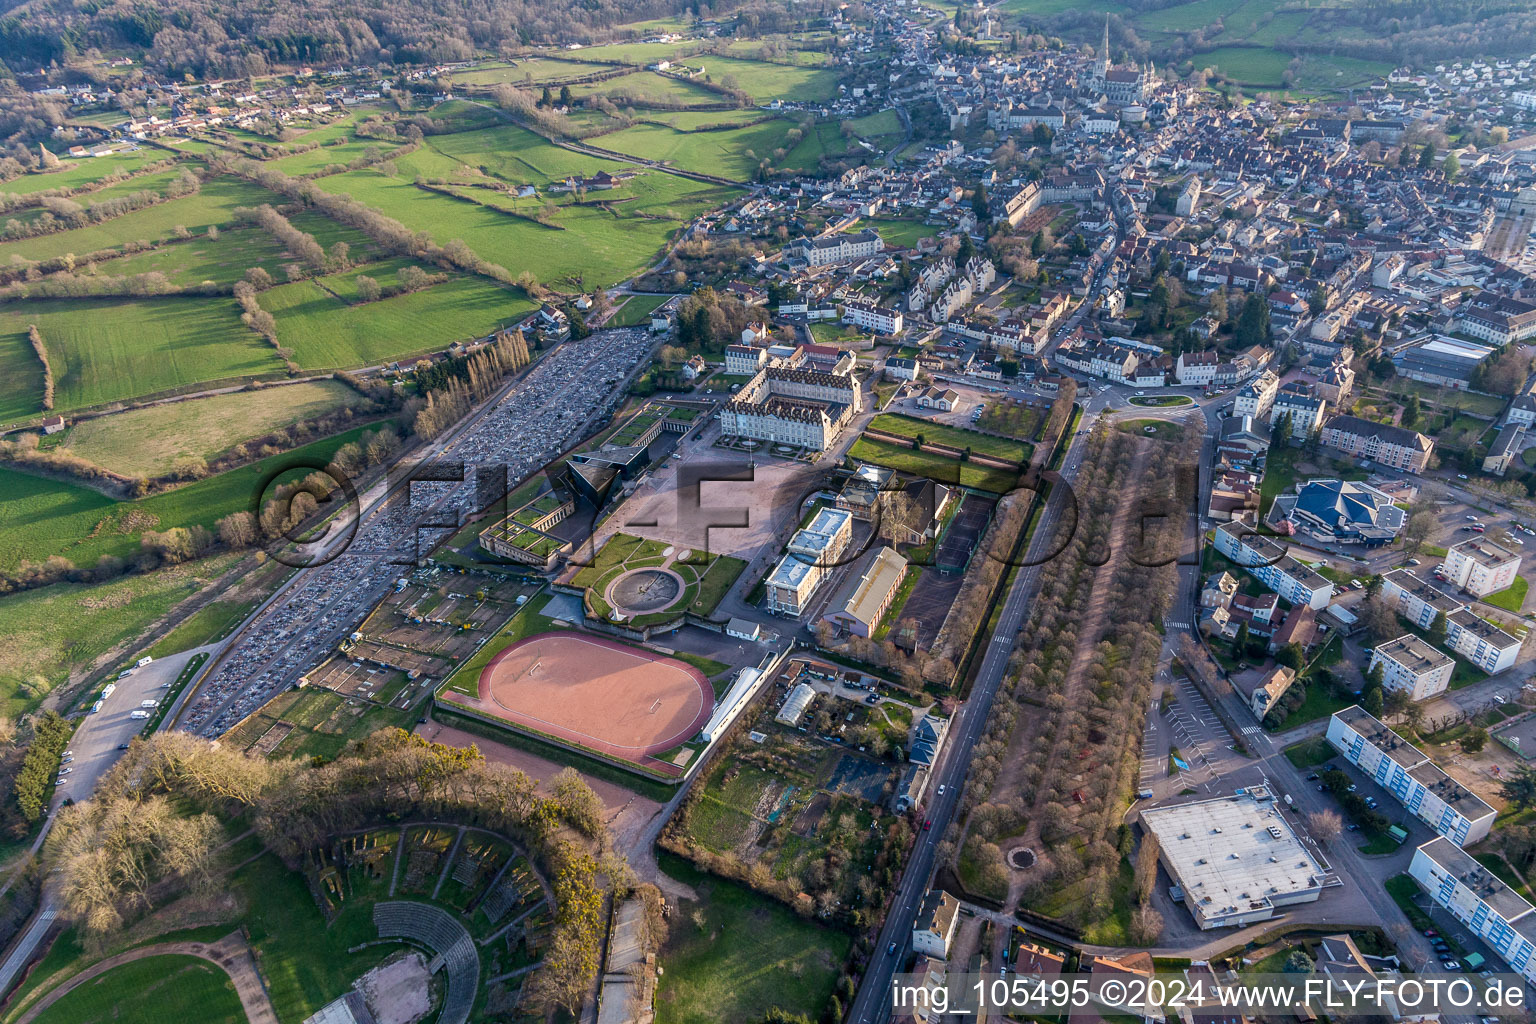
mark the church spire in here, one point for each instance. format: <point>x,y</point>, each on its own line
<point>1104,54</point>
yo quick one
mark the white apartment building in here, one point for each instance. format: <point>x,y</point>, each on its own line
<point>871,317</point>
<point>1411,665</point>
<point>1400,768</point>
<point>1481,642</point>
<point>1271,565</point>
<point>819,252</point>
<point>1196,368</point>
<point>1257,397</point>
<point>1481,567</point>
<point>1477,898</point>
<point>1306,412</point>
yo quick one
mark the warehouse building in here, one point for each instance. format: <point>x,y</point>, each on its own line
<point>1235,859</point>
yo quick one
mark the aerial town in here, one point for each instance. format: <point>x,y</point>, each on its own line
<point>741,515</point>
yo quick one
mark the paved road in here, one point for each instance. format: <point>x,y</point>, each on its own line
<point>872,1003</point>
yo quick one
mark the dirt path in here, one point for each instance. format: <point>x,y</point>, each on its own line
<point>1094,620</point>
<point>231,954</point>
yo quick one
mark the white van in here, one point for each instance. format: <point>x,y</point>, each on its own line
<point>149,703</point>
<point>95,707</point>
<point>139,714</point>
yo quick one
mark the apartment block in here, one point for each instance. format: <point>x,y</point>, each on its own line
<point>1416,600</point>
<point>1481,642</point>
<point>1476,897</point>
<point>1411,665</point>
<point>1396,447</point>
<point>1272,566</point>
<point>1403,770</point>
<point>1481,567</point>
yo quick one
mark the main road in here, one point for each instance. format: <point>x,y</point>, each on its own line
<point>872,1002</point>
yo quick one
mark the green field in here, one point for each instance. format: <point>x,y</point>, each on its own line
<point>643,88</point>
<point>515,154</point>
<point>109,350</point>
<point>528,72</point>
<point>21,385</point>
<point>223,260</point>
<point>764,81</point>
<point>51,630</point>
<point>734,954</point>
<point>152,991</point>
<point>148,441</point>
<point>212,205</point>
<point>213,621</point>
<point>326,333</point>
<point>732,154</point>
<point>39,518</point>
<point>942,433</point>
<point>82,172</point>
<point>637,310</point>
<point>937,467</point>
<point>597,247</point>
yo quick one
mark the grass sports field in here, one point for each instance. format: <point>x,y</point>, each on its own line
<point>45,517</point>
<point>151,991</point>
<point>109,350</point>
<point>148,441</point>
<point>637,310</point>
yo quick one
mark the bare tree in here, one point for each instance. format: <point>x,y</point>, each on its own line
<point>1325,826</point>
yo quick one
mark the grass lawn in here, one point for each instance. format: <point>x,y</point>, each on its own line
<point>534,70</point>
<point>106,350</point>
<point>325,332</point>
<point>39,517</point>
<point>53,629</point>
<point>152,991</point>
<point>943,433</point>
<point>644,88</point>
<point>637,310</point>
<point>1319,704</point>
<point>1512,598</point>
<point>1157,401</point>
<point>905,233</point>
<point>517,155</point>
<point>1309,753</point>
<point>1158,430</point>
<point>748,954</point>
<point>213,621</point>
<point>764,81</point>
<point>936,467</point>
<point>148,441</point>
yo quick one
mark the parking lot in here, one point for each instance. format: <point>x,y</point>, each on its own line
<point>541,416</point>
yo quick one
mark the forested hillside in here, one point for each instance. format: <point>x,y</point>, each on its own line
<point>209,38</point>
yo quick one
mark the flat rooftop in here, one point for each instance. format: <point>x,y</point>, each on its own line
<point>1485,552</point>
<point>1233,854</point>
<point>1413,654</point>
<point>1484,630</point>
<point>1507,903</point>
<point>789,573</point>
<point>1425,591</point>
